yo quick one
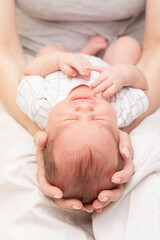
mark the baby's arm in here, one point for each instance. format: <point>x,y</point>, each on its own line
<point>69,63</point>
<point>133,77</point>
<point>114,78</point>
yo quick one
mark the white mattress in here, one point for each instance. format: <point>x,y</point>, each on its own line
<point>25,213</point>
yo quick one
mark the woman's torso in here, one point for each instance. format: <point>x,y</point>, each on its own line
<point>70,23</point>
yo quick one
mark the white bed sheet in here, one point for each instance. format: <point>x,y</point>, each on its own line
<point>25,213</point>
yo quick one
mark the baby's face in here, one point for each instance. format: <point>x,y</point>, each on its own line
<point>81,114</point>
<point>79,122</point>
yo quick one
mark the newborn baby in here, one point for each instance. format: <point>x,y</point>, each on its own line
<point>82,151</point>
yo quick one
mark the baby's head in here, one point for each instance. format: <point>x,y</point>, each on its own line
<point>82,153</point>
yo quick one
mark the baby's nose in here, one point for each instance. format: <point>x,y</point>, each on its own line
<point>84,107</point>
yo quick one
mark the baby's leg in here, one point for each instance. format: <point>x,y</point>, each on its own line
<point>93,46</point>
<point>124,50</point>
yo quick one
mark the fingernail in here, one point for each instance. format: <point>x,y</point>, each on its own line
<point>89,211</point>
<point>117,180</point>
<point>76,207</point>
<point>99,210</point>
<point>100,206</point>
<point>38,137</point>
<point>104,199</point>
<point>92,93</point>
<point>125,151</point>
<point>57,196</point>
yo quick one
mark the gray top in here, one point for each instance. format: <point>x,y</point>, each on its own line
<point>70,23</point>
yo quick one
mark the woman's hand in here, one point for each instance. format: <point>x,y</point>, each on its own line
<point>52,191</point>
<point>40,140</point>
<point>105,196</point>
<point>45,187</point>
<point>123,176</point>
<point>70,63</point>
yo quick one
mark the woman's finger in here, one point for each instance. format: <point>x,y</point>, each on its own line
<point>126,152</point>
<point>45,187</point>
<point>125,145</point>
<point>69,203</point>
<point>125,174</point>
<point>40,139</point>
<point>98,204</point>
<point>113,195</point>
<point>107,196</point>
<point>88,208</point>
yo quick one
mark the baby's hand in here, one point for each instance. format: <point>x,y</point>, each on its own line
<point>110,80</point>
<point>70,63</point>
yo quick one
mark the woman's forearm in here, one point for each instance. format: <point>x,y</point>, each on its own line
<point>150,66</point>
<point>12,61</point>
<point>10,68</point>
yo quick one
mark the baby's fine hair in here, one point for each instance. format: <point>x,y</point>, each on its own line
<point>81,174</point>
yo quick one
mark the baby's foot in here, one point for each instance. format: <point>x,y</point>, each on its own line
<point>94,45</point>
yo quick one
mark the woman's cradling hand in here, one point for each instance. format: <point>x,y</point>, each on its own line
<point>120,177</point>
<point>53,192</point>
<point>104,197</point>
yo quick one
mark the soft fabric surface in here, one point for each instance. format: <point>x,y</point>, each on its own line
<point>137,214</point>
<point>25,213</point>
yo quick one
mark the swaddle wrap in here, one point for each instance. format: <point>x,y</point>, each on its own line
<point>36,95</point>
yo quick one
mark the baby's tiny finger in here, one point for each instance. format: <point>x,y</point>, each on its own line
<point>109,92</point>
<point>81,66</point>
<point>68,70</point>
<point>102,77</point>
<point>100,88</point>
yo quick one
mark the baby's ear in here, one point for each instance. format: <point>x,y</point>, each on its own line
<point>40,139</point>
